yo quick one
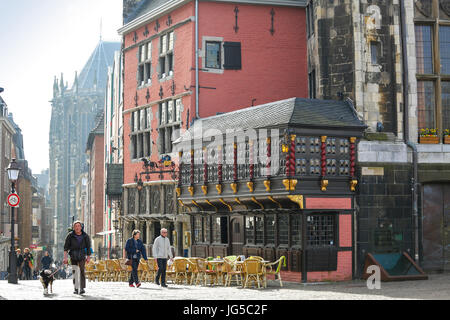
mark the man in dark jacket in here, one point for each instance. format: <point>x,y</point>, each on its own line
<point>27,263</point>
<point>46,261</point>
<point>19,264</point>
<point>134,247</point>
<point>78,246</point>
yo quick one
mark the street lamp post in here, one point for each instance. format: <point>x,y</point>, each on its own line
<point>13,174</point>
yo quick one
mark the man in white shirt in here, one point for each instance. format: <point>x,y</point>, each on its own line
<point>162,251</point>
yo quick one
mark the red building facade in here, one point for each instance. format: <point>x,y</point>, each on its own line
<point>249,53</point>
<point>95,215</point>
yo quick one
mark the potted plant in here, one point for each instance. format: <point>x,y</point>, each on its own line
<point>447,136</point>
<point>428,136</point>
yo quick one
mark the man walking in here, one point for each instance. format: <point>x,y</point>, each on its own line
<point>161,251</point>
<point>78,245</point>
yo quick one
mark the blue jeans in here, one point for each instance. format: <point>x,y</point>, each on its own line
<point>134,272</point>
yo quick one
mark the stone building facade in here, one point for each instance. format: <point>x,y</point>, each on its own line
<point>392,59</point>
<point>6,134</point>
<point>73,115</point>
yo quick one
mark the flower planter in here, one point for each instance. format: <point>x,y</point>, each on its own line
<point>447,139</point>
<point>429,140</point>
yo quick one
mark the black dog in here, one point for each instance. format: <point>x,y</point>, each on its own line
<point>47,278</point>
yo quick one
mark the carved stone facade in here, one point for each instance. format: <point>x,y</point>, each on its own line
<point>390,58</point>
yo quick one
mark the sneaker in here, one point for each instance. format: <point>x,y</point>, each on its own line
<point>164,285</point>
<point>131,285</point>
<point>138,285</point>
<point>75,291</point>
<point>82,291</point>
<point>157,283</point>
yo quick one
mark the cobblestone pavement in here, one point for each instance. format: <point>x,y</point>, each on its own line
<point>437,287</point>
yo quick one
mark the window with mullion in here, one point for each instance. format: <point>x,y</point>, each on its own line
<point>144,68</point>
<point>250,230</point>
<point>269,221</point>
<point>445,98</point>
<point>259,230</point>
<point>213,55</point>
<point>217,236</point>
<point>444,48</point>
<point>283,230</point>
<point>426,104</point>
<point>424,49</point>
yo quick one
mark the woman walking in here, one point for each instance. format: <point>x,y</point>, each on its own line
<point>78,246</point>
<point>134,248</point>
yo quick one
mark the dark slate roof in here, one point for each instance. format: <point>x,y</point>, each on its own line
<point>137,8</point>
<point>294,112</point>
<point>96,68</point>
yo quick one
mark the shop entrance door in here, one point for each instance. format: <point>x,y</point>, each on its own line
<point>237,235</point>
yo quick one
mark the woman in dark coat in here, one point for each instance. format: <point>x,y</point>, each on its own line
<point>19,264</point>
<point>134,248</point>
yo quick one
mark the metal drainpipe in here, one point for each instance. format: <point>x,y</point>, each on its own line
<point>414,182</point>
<point>197,116</point>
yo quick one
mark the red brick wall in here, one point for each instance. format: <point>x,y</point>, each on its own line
<point>183,76</point>
<point>343,273</point>
<point>345,230</point>
<point>273,67</point>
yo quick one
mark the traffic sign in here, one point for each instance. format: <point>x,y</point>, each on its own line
<point>13,200</point>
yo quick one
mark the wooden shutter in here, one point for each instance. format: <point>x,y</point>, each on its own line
<point>233,57</point>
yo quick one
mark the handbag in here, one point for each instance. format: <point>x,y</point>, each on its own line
<point>128,262</point>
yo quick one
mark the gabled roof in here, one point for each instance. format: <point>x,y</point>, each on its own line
<point>293,112</point>
<point>96,69</point>
<point>99,129</point>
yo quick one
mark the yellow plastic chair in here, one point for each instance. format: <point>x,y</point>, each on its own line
<point>231,270</point>
<point>277,272</point>
<point>142,270</point>
<point>110,271</point>
<point>90,271</point>
<point>253,271</point>
<point>101,270</point>
<point>181,270</point>
<point>125,270</point>
<point>152,268</point>
<point>204,273</point>
<point>117,270</point>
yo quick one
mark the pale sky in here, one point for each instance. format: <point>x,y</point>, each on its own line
<point>39,39</point>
